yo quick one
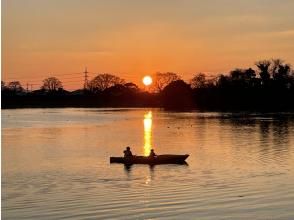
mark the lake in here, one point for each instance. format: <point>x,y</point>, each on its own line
<point>55,165</point>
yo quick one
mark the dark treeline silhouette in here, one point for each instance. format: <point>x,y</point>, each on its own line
<point>267,87</point>
<point>105,90</point>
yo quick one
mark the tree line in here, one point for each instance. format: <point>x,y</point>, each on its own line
<point>269,86</point>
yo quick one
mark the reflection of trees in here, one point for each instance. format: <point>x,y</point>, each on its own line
<point>264,127</point>
<point>268,136</point>
<point>274,139</point>
<point>281,133</point>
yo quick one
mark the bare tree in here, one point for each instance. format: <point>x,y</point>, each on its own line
<point>242,74</point>
<point>249,74</point>
<point>276,63</point>
<point>104,81</point>
<point>52,84</point>
<point>198,81</point>
<point>263,67</point>
<point>161,80</point>
<point>280,70</point>
<point>15,86</point>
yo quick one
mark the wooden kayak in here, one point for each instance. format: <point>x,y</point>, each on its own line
<point>159,159</point>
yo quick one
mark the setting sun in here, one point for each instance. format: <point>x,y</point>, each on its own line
<point>147,80</point>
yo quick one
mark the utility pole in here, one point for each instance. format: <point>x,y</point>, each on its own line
<point>27,87</point>
<point>86,79</point>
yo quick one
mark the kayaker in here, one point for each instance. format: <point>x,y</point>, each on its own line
<point>152,153</point>
<point>128,152</point>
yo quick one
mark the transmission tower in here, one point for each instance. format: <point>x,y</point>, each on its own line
<point>86,79</point>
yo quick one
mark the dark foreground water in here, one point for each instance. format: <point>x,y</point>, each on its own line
<point>55,165</point>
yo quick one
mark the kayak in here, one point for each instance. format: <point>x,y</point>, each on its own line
<point>159,159</point>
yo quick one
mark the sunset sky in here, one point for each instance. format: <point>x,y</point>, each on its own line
<point>133,38</point>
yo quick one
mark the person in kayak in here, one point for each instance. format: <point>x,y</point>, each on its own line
<point>128,152</point>
<point>152,153</point>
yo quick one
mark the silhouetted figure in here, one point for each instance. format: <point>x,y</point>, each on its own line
<point>152,153</point>
<point>128,153</point>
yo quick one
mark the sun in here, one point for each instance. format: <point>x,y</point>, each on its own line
<point>147,80</point>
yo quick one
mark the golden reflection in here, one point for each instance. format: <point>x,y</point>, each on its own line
<point>148,180</point>
<point>147,132</point>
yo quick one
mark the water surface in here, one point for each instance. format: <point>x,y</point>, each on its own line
<point>55,165</point>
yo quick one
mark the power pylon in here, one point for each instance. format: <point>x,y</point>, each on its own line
<point>86,79</point>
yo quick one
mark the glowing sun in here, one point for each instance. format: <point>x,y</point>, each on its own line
<point>147,80</point>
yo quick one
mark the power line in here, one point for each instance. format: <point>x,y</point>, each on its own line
<point>40,77</point>
<point>39,80</point>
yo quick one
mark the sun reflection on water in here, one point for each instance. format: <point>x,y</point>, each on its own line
<point>147,132</point>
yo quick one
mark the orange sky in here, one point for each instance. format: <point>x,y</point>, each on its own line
<point>133,38</point>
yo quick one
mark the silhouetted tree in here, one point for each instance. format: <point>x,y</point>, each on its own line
<point>280,71</point>
<point>237,74</point>
<point>122,95</point>
<point>211,83</point>
<point>243,78</point>
<point>132,87</point>
<point>263,67</point>
<point>198,81</point>
<point>15,86</point>
<point>51,84</point>
<point>116,90</point>
<point>275,65</point>
<point>122,89</point>
<point>104,81</point>
<point>161,80</point>
<point>177,95</point>
<point>249,74</point>
<point>223,81</point>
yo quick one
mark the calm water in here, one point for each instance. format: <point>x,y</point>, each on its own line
<point>55,165</point>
